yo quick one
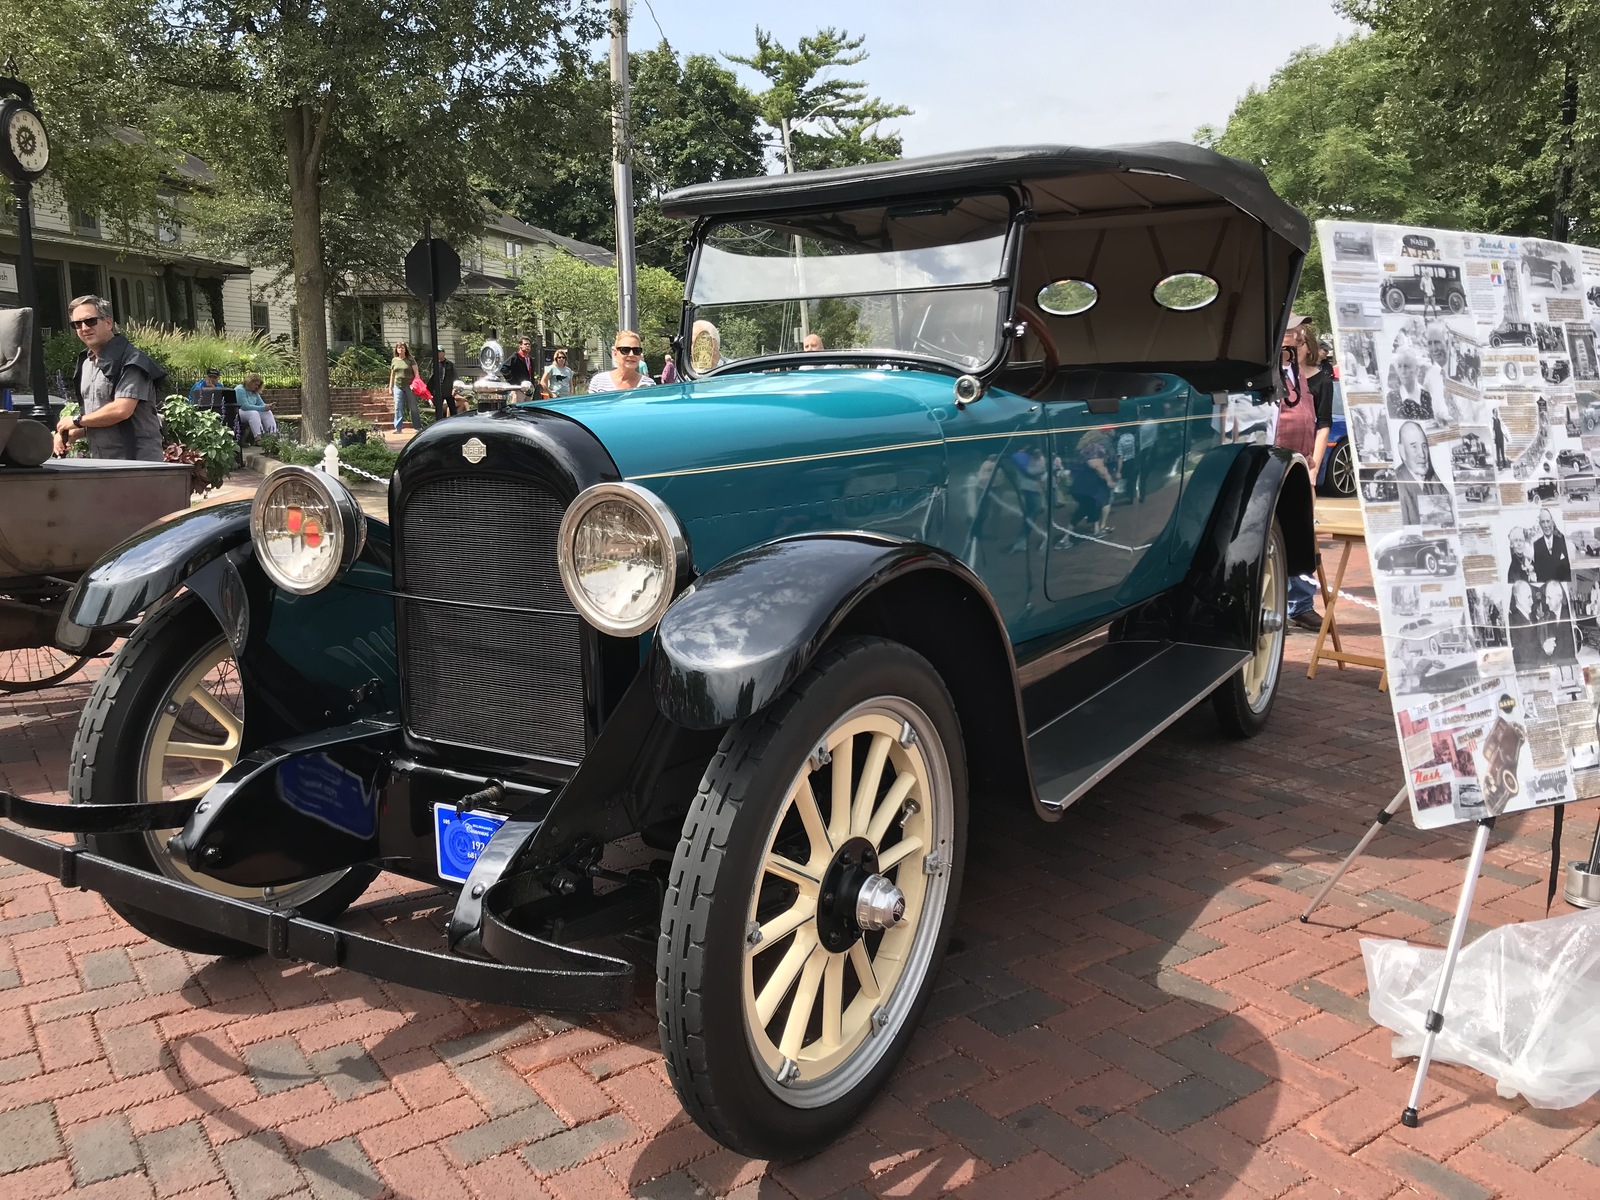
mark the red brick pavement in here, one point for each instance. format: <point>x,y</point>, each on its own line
<point>1130,1010</point>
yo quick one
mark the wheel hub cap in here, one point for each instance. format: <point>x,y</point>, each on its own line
<point>1271,620</point>
<point>879,904</point>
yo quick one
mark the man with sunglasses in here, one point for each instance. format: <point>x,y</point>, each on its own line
<point>116,386</point>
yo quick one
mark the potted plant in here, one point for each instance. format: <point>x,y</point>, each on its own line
<point>352,430</point>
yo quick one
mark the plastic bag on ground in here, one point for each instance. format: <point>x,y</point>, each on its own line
<point>1523,1007</point>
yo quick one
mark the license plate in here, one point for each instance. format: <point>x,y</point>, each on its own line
<point>459,837</point>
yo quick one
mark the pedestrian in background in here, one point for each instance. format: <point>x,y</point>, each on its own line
<point>255,414</point>
<point>523,366</point>
<point>443,385</point>
<point>557,377</point>
<point>1304,418</point>
<point>402,370</point>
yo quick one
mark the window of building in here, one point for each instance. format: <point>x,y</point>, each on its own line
<point>357,321</point>
<point>260,317</point>
<point>83,279</point>
<point>513,254</point>
<point>169,230</point>
<point>85,224</point>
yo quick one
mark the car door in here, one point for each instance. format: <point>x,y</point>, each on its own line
<point>1116,462</point>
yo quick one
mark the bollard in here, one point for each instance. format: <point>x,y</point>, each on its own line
<point>330,460</point>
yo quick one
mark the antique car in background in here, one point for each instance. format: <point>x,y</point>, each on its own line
<point>1542,490</point>
<point>1470,454</point>
<point>1379,487</point>
<point>735,660</point>
<point>1407,551</point>
<point>1402,291</point>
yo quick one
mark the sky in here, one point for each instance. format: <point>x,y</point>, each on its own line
<point>1004,72</point>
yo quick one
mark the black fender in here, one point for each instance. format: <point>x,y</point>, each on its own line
<point>744,631</point>
<point>1219,601</point>
<point>307,662</point>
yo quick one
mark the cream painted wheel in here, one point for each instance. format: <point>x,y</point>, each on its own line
<point>815,1015</point>
<point>810,900</point>
<point>195,739</point>
<point>1244,701</point>
<point>164,721</point>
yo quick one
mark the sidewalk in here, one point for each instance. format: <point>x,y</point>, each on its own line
<point>1130,1010</point>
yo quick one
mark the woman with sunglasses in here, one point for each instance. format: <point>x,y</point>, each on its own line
<point>627,351</point>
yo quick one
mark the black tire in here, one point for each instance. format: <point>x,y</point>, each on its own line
<point>1242,705</point>
<point>1394,300</point>
<point>37,667</point>
<point>1341,477</point>
<point>1496,340</point>
<point>1430,563</point>
<point>717,1046</point>
<point>110,757</point>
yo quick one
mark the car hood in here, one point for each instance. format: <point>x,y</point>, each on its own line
<point>764,417</point>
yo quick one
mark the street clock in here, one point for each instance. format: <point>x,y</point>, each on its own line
<point>24,144</point>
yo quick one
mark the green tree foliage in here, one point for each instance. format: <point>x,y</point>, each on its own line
<point>802,91</point>
<point>692,122</point>
<point>576,300</point>
<point>94,69</point>
<point>1515,79</point>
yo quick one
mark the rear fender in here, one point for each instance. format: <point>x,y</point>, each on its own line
<point>306,662</point>
<point>732,643</point>
<point>1219,601</point>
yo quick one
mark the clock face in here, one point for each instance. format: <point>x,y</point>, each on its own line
<point>27,140</point>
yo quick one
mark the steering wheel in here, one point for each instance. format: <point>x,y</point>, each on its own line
<point>1040,331</point>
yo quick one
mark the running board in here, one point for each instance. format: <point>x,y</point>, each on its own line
<point>1114,712</point>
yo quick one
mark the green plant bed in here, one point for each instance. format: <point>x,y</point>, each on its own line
<point>373,457</point>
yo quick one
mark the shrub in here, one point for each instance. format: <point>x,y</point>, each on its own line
<point>197,436</point>
<point>359,366</point>
<point>185,355</point>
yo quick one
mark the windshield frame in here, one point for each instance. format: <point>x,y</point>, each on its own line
<point>1005,284</point>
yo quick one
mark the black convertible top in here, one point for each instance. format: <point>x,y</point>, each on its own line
<point>1143,176</point>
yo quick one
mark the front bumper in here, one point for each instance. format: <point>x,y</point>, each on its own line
<point>547,976</point>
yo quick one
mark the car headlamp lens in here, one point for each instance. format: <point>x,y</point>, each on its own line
<point>621,553</point>
<point>307,528</point>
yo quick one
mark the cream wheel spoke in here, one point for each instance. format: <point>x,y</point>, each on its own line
<point>785,923</point>
<point>871,777</point>
<point>805,803</point>
<point>890,806</point>
<point>788,970</point>
<point>833,1003</point>
<point>223,715</point>
<point>897,853</point>
<point>843,771</point>
<point>787,868</point>
<point>865,975</point>
<point>220,752</point>
<point>805,1000</point>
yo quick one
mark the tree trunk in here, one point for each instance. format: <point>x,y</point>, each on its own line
<point>310,272</point>
<point>1561,222</point>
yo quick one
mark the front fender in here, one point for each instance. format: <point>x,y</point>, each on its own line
<point>149,566</point>
<point>746,629</point>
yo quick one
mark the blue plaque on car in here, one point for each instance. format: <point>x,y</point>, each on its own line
<point>460,838</point>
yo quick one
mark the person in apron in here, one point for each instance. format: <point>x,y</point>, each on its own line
<point>1297,431</point>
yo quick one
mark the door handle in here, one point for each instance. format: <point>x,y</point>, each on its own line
<point>1104,405</point>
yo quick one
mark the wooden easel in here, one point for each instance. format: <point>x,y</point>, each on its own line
<point>1346,529</point>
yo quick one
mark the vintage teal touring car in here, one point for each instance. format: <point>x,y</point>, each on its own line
<point>735,660</point>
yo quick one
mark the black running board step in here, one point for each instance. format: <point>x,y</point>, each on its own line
<point>1086,743</point>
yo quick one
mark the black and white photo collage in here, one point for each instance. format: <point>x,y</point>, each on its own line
<point>1472,396</point>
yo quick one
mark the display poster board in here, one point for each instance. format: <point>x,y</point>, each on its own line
<point>1472,396</point>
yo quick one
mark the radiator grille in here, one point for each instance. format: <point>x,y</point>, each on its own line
<point>497,680</point>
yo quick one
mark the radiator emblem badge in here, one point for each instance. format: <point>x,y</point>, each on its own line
<point>473,450</point>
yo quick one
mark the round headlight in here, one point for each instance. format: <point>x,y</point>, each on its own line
<point>307,528</point>
<point>621,553</point>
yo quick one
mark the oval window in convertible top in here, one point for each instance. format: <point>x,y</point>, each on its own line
<point>1186,291</point>
<point>1068,297</point>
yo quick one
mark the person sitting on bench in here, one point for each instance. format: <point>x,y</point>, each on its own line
<point>255,414</point>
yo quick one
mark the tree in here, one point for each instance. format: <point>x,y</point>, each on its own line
<point>575,300</point>
<point>802,92</point>
<point>1328,139</point>
<point>693,122</point>
<point>1506,73</point>
<point>334,127</point>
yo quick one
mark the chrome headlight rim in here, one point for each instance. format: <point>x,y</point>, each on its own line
<point>350,528</point>
<point>666,526</point>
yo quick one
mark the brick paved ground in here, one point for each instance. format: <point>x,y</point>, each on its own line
<point>1131,1010</point>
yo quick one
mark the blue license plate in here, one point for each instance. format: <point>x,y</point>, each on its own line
<point>459,838</point>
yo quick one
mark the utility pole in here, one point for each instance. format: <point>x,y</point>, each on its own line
<point>622,172</point>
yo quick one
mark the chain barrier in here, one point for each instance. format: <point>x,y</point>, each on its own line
<point>332,464</point>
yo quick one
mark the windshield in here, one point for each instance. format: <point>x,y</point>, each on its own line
<point>922,279</point>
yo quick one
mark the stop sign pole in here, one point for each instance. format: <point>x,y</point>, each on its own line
<point>433,273</point>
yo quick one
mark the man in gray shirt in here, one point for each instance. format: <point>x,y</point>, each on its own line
<point>116,387</point>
